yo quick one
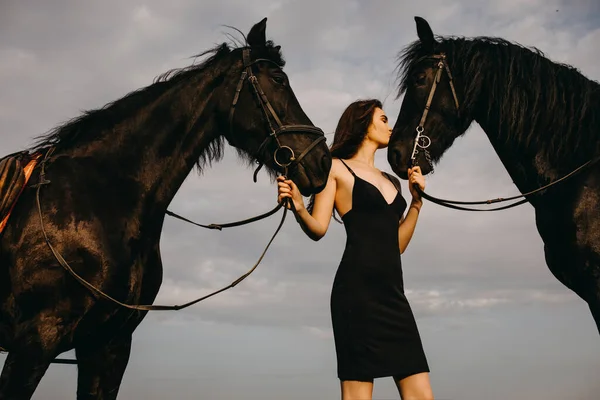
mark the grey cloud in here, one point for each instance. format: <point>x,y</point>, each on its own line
<point>464,272</point>
<point>89,55</point>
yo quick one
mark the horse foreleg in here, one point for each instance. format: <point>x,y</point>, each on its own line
<point>23,370</point>
<point>30,355</point>
<point>101,369</point>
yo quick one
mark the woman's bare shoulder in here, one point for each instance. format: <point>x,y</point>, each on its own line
<point>336,167</point>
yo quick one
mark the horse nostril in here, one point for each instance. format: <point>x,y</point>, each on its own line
<point>395,157</point>
<point>325,162</point>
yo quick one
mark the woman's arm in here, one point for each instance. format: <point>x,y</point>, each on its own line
<point>409,222</point>
<point>315,225</point>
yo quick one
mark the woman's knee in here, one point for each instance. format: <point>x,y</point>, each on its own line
<point>415,387</point>
<point>357,390</point>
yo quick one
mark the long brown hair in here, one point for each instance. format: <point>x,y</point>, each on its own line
<point>350,132</point>
<point>352,127</point>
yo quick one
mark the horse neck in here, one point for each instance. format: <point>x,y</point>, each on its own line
<point>533,149</point>
<point>158,146</point>
<point>518,162</point>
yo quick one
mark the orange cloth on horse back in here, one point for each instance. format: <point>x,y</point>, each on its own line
<point>27,170</point>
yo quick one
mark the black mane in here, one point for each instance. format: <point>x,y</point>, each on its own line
<point>91,124</point>
<point>525,90</point>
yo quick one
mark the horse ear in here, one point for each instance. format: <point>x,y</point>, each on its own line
<point>257,36</point>
<point>425,33</point>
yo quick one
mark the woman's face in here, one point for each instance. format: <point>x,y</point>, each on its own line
<point>379,130</point>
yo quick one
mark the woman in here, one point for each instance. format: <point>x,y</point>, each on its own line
<point>374,328</point>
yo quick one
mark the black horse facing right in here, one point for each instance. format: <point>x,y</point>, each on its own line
<point>109,178</point>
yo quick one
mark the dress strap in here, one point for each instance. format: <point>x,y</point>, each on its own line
<point>394,181</point>
<point>349,169</point>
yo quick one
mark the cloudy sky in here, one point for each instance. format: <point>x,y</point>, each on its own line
<point>494,321</point>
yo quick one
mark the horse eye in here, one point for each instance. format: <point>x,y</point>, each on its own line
<point>279,79</point>
<point>421,79</point>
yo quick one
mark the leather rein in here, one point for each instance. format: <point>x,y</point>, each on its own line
<point>422,142</point>
<point>283,156</point>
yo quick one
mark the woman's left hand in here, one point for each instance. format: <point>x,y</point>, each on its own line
<point>415,178</point>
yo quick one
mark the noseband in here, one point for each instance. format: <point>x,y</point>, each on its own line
<point>283,156</point>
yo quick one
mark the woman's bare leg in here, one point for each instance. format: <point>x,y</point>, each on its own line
<point>415,387</point>
<point>356,390</point>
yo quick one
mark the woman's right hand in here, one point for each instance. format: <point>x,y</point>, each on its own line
<point>286,189</point>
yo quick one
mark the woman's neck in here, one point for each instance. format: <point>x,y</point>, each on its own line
<point>366,154</point>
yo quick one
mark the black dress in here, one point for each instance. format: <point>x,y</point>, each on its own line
<point>374,328</point>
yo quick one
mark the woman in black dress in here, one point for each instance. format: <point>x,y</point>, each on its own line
<point>374,328</point>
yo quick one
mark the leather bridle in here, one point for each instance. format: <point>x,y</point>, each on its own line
<point>285,161</point>
<point>422,142</point>
<point>288,159</point>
